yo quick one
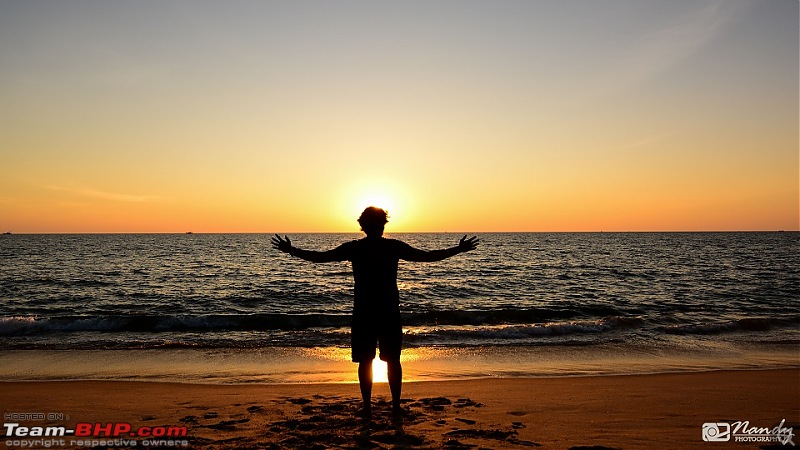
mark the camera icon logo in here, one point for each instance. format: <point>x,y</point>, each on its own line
<point>716,432</point>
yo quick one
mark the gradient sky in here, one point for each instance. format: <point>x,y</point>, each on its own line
<point>257,116</point>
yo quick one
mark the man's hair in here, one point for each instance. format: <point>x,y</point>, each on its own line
<point>373,217</point>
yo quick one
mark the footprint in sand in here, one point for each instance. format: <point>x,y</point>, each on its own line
<point>188,419</point>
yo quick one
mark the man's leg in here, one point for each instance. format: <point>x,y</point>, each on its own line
<point>363,340</point>
<point>391,344</point>
<point>395,376</point>
<point>365,381</point>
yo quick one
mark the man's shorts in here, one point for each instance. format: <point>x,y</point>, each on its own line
<point>368,333</point>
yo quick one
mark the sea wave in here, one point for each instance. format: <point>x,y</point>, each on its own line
<point>536,320</point>
<point>29,333</point>
<point>500,332</point>
<point>26,325</point>
<point>312,330</point>
<point>753,324</point>
<point>502,316</point>
<point>528,322</point>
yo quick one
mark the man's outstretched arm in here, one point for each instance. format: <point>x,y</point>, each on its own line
<point>285,245</point>
<point>464,245</point>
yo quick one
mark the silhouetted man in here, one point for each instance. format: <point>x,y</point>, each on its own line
<point>376,310</point>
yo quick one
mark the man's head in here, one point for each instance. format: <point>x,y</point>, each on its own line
<point>372,221</point>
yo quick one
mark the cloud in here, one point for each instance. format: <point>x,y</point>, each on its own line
<point>663,48</point>
<point>650,140</point>
<point>113,196</point>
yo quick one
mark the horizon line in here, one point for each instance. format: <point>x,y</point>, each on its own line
<point>8,233</point>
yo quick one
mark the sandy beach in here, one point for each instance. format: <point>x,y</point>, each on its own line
<point>631,411</point>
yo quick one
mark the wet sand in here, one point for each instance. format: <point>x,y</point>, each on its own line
<point>629,411</point>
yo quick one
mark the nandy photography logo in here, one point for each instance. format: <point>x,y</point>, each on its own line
<point>742,431</point>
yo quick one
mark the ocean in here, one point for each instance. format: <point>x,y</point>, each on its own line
<point>229,308</point>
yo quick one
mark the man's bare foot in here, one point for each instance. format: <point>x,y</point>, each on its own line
<point>397,411</point>
<point>366,414</point>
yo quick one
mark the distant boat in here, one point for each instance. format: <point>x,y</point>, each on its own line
<point>189,232</point>
<point>7,232</point>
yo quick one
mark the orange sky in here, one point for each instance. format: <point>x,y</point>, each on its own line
<point>455,116</point>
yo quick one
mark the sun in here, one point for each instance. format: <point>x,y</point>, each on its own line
<point>386,202</point>
<point>377,199</point>
<point>379,374</point>
<point>396,198</point>
<point>390,197</point>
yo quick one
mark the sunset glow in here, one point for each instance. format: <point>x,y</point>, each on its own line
<point>454,116</point>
